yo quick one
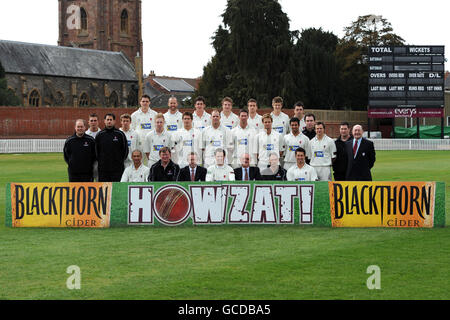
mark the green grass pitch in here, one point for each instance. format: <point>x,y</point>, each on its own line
<point>226,262</point>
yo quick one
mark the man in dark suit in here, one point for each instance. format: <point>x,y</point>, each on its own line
<point>192,172</point>
<point>360,155</point>
<point>245,172</point>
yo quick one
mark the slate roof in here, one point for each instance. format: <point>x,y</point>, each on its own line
<point>171,85</point>
<point>40,59</point>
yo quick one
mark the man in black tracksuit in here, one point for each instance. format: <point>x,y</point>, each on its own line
<point>79,153</point>
<point>340,164</point>
<point>112,150</point>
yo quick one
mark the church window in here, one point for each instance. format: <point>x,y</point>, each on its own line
<point>124,21</point>
<point>84,100</point>
<point>84,20</point>
<point>34,99</point>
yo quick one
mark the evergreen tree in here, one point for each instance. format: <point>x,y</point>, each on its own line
<point>253,55</point>
<point>315,59</point>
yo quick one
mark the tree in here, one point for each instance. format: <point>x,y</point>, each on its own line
<point>253,55</point>
<point>351,52</point>
<point>7,97</point>
<point>314,54</point>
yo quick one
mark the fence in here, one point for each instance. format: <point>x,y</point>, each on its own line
<point>411,144</point>
<point>31,145</point>
<point>56,145</point>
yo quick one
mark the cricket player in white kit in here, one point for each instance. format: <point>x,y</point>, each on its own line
<point>156,140</point>
<point>299,112</point>
<point>92,131</point>
<point>220,171</point>
<point>136,172</point>
<point>214,137</point>
<point>243,141</point>
<point>173,117</point>
<point>280,120</point>
<point>228,118</point>
<point>301,171</point>
<point>323,152</point>
<point>201,118</point>
<point>143,120</point>
<point>254,119</point>
<point>187,140</point>
<point>268,141</point>
<point>292,141</point>
<point>132,136</point>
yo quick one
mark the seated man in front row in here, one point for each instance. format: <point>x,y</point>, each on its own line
<point>192,172</point>
<point>220,171</point>
<point>301,171</point>
<point>136,172</point>
<point>245,172</point>
<point>165,169</point>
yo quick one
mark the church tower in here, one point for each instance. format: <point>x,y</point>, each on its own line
<point>111,25</point>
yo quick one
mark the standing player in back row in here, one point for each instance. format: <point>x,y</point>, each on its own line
<point>280,119</point>
<point>323,152</point>
<point>254,119</point>
<point>173,117</point>
<point>228,118</point>
<point>201,118</point>
<point>143,120</point>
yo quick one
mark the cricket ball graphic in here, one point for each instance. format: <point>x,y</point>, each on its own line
<point>172,205</point>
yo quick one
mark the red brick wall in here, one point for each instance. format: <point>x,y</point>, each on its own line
<point>58,122</point>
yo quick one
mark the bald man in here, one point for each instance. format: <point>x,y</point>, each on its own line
<point>360,155</point>
<point>79,153</point>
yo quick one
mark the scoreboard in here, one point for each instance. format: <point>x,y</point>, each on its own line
<point>406,81</point>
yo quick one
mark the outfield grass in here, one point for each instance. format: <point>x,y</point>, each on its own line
<point>226,262</point>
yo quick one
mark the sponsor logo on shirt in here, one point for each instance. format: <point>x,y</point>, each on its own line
<point>229,127</point>
<point>270,147</point>
<point>318,154</point>
<point>157,147</point>
<point>188,143</point>
<point>216,143</point>
<point>300,179</point>
<point>293,148</point>
<point>279,129</point>
<point>172,127</point>
<point>146,126</point>
<point>129,143</point>
<point>243,142</point>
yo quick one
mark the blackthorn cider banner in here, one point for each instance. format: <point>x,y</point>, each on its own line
<point>324,204</point>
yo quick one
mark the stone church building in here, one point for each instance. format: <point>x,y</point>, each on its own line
<point>98,60</point>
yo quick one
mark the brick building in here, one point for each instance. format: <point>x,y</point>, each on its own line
<point>109,25</point>
<point>48,76</point>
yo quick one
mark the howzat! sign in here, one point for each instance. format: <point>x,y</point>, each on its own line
<point>323,204</point>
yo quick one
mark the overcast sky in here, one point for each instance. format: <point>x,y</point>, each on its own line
<point>177,33</point>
